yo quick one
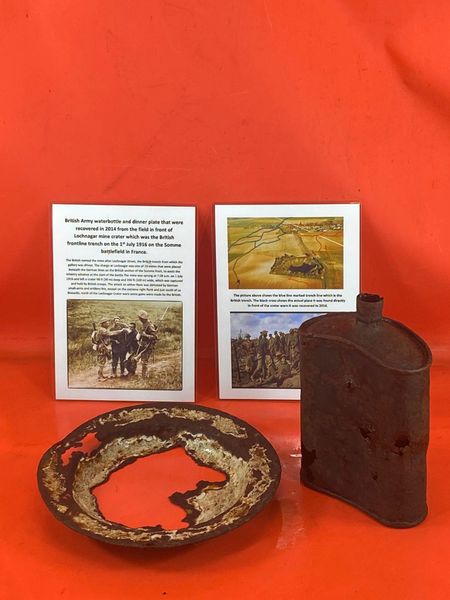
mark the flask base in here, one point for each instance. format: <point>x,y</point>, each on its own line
<point>377,517</point>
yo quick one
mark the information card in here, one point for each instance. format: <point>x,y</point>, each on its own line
<point>276,266</point>
<point>124,302</point>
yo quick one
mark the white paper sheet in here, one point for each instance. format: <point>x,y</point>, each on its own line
<point>277,265</point>
<point>112,262</point>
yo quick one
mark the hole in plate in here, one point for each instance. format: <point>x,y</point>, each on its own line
<point>138,494</point>
<point>86,446</point>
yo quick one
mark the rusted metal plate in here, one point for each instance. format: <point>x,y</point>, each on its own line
<point>212,438</point>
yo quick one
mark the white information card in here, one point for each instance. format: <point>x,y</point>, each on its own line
<point>124,302</point>
<point>277,265</point>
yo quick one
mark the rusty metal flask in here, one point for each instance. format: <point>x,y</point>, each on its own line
<point>365,412</point>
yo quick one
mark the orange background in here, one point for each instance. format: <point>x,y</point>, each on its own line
<point>199,102</point>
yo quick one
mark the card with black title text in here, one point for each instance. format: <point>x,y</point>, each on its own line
<point>276,266</point>
<point>124,302</point>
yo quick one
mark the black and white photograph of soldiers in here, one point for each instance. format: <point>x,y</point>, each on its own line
<point>265,352</point>
<point>124,344</point>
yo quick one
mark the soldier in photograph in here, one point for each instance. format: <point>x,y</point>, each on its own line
<point>277,341</point>
<point>100,340</point>
<point>283,345</point>
<point>247,349</point>
<point>272,345</point>
<point>118,331</point>
<point>282,367</point>
<point>262,350</point>
<point>132,342</point>
<point>148,335</point>
<point>294,351</point>
<point>271,372</point>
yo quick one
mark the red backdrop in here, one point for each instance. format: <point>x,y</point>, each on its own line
<point>203,102</point>
<point>197,102</point>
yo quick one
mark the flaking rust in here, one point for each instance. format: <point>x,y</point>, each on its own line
<point>67,474</point>
<point>365,412</point>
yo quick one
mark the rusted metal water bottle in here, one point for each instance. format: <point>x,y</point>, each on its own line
<point>365,412</point>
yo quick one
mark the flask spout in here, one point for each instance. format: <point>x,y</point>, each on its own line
<point>369,308</point>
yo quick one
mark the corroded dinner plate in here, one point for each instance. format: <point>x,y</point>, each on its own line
<point>67,474</point>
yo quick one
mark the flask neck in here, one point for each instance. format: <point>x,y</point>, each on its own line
<point>369,308</point>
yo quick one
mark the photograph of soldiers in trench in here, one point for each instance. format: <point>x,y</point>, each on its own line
<point>124,344</point>
<point>265,351</point>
